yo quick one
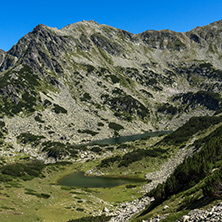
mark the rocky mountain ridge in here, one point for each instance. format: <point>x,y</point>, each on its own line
<point>89,81</point>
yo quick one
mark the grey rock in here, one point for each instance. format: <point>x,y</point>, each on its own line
<point>212,214</point>
<point>165,207</point>
<point>105,210</point>
<point>185,218</point>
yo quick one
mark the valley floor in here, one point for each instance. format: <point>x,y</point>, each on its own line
<point>42,199</point>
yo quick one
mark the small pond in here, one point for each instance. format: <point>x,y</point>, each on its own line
<point>80,180</point>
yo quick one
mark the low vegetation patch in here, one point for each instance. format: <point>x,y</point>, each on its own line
<point>90,132</point>
<point>38,119</point>
<point>59,150</point>
<point>25,171</point>
<point>97,149</point>
<point>131,157</point>
<point>26,138</point>
<point>107,162</point>
<point>21,81</point>
<point>39,195</point>
<point>139,154</point>
<point>58,109</point>
<point>102,218</point>
<point>115,126</point>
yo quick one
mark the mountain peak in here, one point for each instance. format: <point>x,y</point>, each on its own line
<point>39,26</point>
<point>2,51</point>
<point>90,22</point>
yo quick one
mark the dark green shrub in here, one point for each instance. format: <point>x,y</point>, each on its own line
<point>25,170</point>
<point>115,126</point>
<point>110,148</point>
<point>80,209</point>
<point>39,195</point>
<point>130,186</point>
<point>100,124</point>
<point>101,218</point>
<point>107,162</point>
<point>59,150</point>
<point>90,68</point>
<point>96,150</point>
<point>92,133</point>
<point>114,78</point>
<point>29,138</point>
<point>86,97</point>
<point>148,94</point>
<point>2,124</point>
<point>213,185</point>
<point>139,154</point>
<point>58,109</point>
<point>47,103</point>
<point>38,119</point>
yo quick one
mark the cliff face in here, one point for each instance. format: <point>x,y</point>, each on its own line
<point>68,85</point>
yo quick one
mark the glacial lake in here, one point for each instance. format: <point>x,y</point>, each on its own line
<point>80,180</point>
<point>123,139</point>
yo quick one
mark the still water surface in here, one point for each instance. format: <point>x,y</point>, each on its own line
<point>80,180</point>
<point>123,139</point>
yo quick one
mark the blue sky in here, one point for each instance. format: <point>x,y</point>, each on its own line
<point>17,18</point>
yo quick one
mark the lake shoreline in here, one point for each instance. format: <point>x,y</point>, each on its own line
<point>134,137</point>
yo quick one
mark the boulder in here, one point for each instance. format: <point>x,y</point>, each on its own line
<point>186,218</point>
<point>105,210</point>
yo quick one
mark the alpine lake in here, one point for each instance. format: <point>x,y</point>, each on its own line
<point>79,179</point>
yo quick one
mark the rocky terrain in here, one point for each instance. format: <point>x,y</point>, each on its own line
<point>127,210</point>
<point>212,214</point>
<point>89,81</point>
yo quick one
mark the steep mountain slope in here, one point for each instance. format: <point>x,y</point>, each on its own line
<point>89,81</point>
<point>195,182</point>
